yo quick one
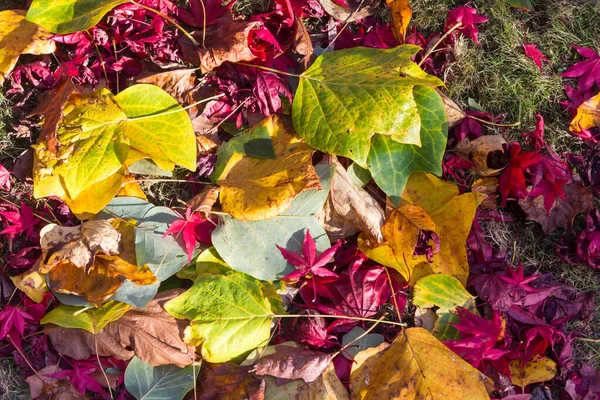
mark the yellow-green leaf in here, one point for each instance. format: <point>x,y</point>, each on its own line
<point>258,188</point>
<point>230,314</point>
<point>19,36</point>
<point>539,369</point>
<point>441,290</point>
<point>92,320</point>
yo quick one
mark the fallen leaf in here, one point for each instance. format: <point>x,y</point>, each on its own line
<point>349,96</point>
<point>485,153</point>
<point>301,43</point>
<point>151,334</point>
<point>77,244</point>
<point>293,363</point>
<point>326,387</point>
<point>179,83</point>
<point>131,188</point>
<point>224,42</point>
<point>540,369</point>
<point>257,189</point>
<point>441,290</point>
<point>401,16</point>
<point>357,340</point>
<point>489,188</point>
<point>92,320</point>
<point>228,381</point>
<point>454,113</point>
<point>147,382</point>
<point>350,208</point>
<point>37,386</point>
<point>204,201</point>
<point>230,314</point>
<point>416,366</point>
<point>588,115</point>
<point>524,4</point>
<point>358,10</point>
<point>587,71</point>
<point>578,200</point>
<point>452,215</point>
<point>32,283</point>
<point>532,51</point>
<point>19,36</point>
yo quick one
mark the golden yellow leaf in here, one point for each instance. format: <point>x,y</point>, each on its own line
<point>416,366</point>
<point>540,369</point>
<point>588,115</point>
<point>401,16</point>
<point>131,188</point>
<point>258,188</point>
<point>452,215</point>
<point>19,36</point>
<point>32,283</point>
<point>92,200</point>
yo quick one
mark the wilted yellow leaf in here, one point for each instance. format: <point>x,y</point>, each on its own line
<point>19,36</point>
<point>416,366</point>
<point>540,369</point>
<point>452,215</point>
<point>588,115</point>
<point>257,188</point>
<point>401,16</point>
<point>32,283</point>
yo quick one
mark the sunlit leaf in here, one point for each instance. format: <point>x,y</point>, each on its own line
<point>92,320</point>
<point>144,381</point>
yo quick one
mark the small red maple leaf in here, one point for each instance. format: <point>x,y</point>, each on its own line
<point>512,180</point>
<point>192,229</point>
<point>532,51</point>
<point>80,377</point>
<point>517,279</point>
<point>550,190</point>
<point>587,71</point>
<point>468,17</point>
<point>19,222</point>
<point>12,323</point>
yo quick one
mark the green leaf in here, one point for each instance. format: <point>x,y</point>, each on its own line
<point>348,96</point>
<point>255,251</point>
<point>230,314</point>
<point>207,262</point>
<point>391,163</point>
<point>92,320</point>
<point>525,4</point>
<point>148,167</point>
<point>368,340</point>
<point>359,175</point>
<point>443,328</point>
<point>441,290</point>
<point>68,16</point>
<point>144,381</point>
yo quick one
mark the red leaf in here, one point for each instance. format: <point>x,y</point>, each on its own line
<point>19,221</point>
<point>587,71</point>
<point>532,51</point>
<point>194,227</point>
<point>469,18</point>
<point>80,377</point>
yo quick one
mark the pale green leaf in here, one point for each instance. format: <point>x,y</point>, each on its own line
<point>67,16</point>
<point>230,314</point>
<point>92,320</point>
<point>348,96</point>
<point>146,382</point>
<point>441,290</point>
<point>365,342</point>
<point>391,163</point>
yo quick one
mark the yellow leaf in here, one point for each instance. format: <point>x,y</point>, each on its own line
<point>257,188</point>
<point>131,188</point>
<point>401,15</point>
<point>19,36</point>
<point>540,369</point>
<point>93,199</point>
<point>416,366</point>
<point>452,215</point>
<point>32,283</point>
<point>588,115</point>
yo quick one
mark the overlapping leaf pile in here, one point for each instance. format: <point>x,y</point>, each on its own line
<point>334,250</point>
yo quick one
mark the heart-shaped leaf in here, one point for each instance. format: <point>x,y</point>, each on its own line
<point>144,381</point>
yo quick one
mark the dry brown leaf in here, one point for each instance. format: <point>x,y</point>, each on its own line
<point>454,114</point>
<point>578,200</point>
<point>179,83</point>
<point>486,153</point>
<point>228,381</point>
<point>37,387</point>
<point>489,188</point>
<point>416,366</point>
<point>301,43</point>
<point>77,244</point>
<point>326,387</point>
<point>359,9</point>
<point>290,362</point>
<point>204,201</point>
<point>153,334</point>
<point>350,208</point>
<point>224,42</point>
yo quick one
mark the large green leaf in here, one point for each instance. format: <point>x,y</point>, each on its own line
<point>255,251</point>
<point>391,163</point>
<point>144,381</point>
<point>100,133</point>
<point>92,320</point>
<point>230,314</point>
<point>67,16</point>
<point>347,96</point>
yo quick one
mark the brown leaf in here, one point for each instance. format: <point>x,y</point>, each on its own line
<point>153,334</point>
<point>326,387</point>
<point>178,83</point>
<point>489,188</point>
<point>358,9</point>
<point>224,42</point>
<point>293,363</point>
<point>485,152</point>
<point>204,201</point>
<point>228,381</point>
<point>36,386</point>
<point>78,245</point>
<point>578,200</point>
<point>454,113</point>
<point>350,208</point>
<point>51,105</point>
<point>301,43</point>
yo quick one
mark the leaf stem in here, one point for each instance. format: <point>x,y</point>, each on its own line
<point>37,215</point>
<point>365,333</point>
<point>483,121</point>
<point>444,36</point>
<point>98,358</point>
<point>170,20</point>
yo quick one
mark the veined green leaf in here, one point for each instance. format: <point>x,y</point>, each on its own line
<point>146,382</point>
<point>92,320</point>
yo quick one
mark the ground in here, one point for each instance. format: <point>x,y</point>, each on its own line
<point>499,77</point>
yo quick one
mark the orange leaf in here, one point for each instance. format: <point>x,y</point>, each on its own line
<point>401,16</point>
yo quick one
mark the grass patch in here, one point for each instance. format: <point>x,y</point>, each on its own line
<point>12,386</point>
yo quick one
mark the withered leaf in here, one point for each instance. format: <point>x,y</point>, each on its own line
<point>358,9</point>
<point>228,381</point>
<point>578,200</point>
<point>204,201</point>
<point>485,152</point>
<point>293,363</point>
<point>224,42</point>
<point>301,43</point>
<point>153,335</point>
